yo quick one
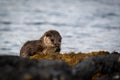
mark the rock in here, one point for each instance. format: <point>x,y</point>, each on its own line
<point>115,76</point>
<point>103,64</point>
<point>17,68</point>
<point>91,66</point>
<point>71,58</point>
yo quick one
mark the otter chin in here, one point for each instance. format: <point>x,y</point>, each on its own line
<point>48,43</point>
<point>51,50</point>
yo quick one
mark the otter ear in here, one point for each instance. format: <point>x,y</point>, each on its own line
<point>48,35</point>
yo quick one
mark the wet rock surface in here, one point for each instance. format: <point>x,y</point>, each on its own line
<point>108,66</point>
<point>91,66</point>
<point>17,68</point>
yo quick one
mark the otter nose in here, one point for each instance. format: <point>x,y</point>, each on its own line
<point>57,45</point>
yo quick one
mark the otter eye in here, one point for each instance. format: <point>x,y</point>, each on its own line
<point>59,40</point>
<point>48,35</point>
<point>52,40</point>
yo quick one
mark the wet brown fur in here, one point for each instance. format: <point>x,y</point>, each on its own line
<point>40,46</point>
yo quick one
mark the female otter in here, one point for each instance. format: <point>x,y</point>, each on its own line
<point>48,43</point>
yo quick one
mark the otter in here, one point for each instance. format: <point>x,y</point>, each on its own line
<point>50,42</point>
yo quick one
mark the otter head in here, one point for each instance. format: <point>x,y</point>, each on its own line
<point>52,38</point>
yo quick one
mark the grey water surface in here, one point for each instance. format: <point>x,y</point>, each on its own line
<point>85,25</point>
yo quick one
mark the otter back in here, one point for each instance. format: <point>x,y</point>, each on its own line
<point>30,48</point>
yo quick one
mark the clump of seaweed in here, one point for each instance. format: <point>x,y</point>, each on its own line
<point>87,66</point>
<point>71,58</point>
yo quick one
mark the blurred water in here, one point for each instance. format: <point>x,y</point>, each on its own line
<point>85,25</point>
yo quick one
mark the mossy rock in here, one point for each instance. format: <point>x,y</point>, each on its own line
<point>101,65</point>
<point>71,58</point>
